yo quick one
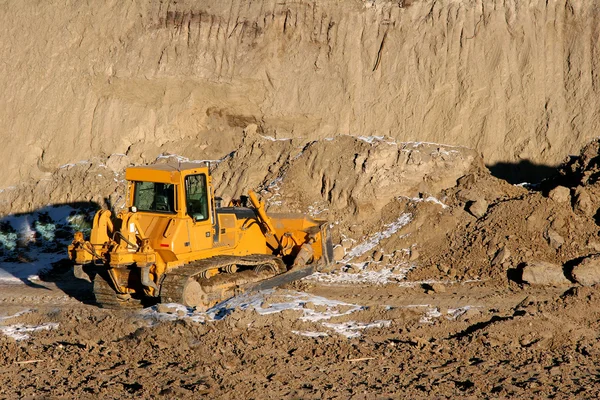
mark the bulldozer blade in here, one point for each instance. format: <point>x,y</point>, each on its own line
<point>282,279</point>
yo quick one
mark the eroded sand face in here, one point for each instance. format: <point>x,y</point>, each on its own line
<point>515,80</point>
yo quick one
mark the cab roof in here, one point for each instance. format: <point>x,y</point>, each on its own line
<point>181,167</point>
<point>167,173</point>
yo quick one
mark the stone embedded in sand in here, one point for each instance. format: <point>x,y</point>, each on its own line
<point>544,273</point>
<point>250,130</point>
<point>466,181</point>
<point>583,202</point>
<point>354,269</point>
<point>443,268</point>
<point>554,239</point>
<point>117,162</point>
<point>377,255</point>
<point>347,243</point>
<point>438,288</point>
<point>501,256</point>
<point>478,208</point>
<point>560,194</point>
<point>587,272</point>
<point>338,253</point>
<point>414,254</point>
<point>594,245</point>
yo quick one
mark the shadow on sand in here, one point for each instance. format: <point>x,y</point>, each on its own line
<point>34,245</point>
<point>523,171</point>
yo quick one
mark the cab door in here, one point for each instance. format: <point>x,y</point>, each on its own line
<point>198,208</point>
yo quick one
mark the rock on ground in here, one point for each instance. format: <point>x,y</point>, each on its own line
<point>587,272</point>
<point>544,273</point>
<point>560,194</point>
<point>478,208</point>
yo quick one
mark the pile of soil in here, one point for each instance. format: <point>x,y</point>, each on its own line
<point>554,222</point>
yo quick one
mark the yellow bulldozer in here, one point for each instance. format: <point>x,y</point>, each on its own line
<point>174,242</point>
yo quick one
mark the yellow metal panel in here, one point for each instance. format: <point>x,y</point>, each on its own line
<point>152,175</point>
<point>227,221</point>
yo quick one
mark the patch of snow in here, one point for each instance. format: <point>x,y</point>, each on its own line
<point>273,139</point>
<point>274,185</point>
<point>434,312</point>
<point>382,277</point>
<point>310,334</point>
<point>300,154</point>
<point>69,165</point>
<point>374,239</point>
<point>419,144</point>
<point>176,311</point>
<point>445,152</point>
<point>351,329</point>
<point>313,210</point>
<point>22,312</point>
<point>27,271</point>
<point>20,331</point>
<point>430,314</point>
<point>295,301</point>
<point>454,313</point>
<point>529,186</point>
<point>183,159</point>
<point>370,139</point>
<point>324,309</point>
<point>429,199</point>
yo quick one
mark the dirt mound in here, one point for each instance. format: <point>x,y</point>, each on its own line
<point>409,204</point>
<point>355,182</point>
<point>86,182</point>
<point>344,179</point>
<point>553,223</point>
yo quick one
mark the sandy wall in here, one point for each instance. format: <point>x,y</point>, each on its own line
<point>513,79</point>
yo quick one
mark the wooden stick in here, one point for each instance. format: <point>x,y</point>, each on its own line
<point>360,359</point>
<point>28,362</point>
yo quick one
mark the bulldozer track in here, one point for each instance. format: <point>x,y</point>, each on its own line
<point>175,281</point>
<point>107,297</point>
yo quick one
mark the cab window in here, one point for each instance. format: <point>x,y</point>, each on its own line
<point>154,197</point>
<point>196,197</point>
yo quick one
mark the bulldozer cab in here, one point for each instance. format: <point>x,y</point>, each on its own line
<point>173,205</point>
<point>166,189</point>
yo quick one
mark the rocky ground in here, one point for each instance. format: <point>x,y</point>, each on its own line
<point>455,340</point>
<point>453,284</point>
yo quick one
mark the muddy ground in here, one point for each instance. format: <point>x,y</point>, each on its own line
<point>468,339</point>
